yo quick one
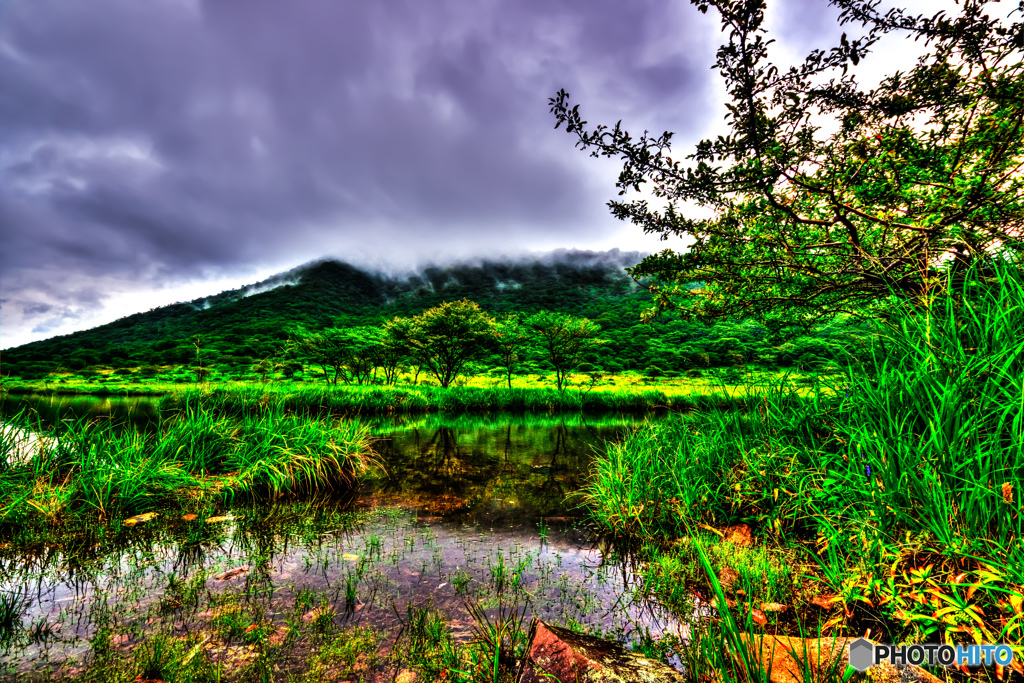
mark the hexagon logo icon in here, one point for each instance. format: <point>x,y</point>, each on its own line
<point>862,654</point>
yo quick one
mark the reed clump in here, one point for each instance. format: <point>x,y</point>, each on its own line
<point>106,470</point>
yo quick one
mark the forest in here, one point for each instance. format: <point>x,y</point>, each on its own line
<point>339,324</point>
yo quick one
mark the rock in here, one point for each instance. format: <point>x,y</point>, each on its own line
<point>785,656</point>
<point>554,653</point>
<point>406,676</point>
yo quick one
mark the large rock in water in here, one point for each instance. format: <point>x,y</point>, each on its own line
<point>558,654</point>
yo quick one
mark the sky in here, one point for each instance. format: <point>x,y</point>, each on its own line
<point>158,151</point>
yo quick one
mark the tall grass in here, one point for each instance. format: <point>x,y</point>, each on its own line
<point>917,453</point>
<point>102,469</point>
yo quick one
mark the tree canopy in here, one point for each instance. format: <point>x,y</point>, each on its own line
<point>565,340</point>
<point>827,197</point>
<point>446,337</point>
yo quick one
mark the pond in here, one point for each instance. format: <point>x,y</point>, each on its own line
<point>470,515</point>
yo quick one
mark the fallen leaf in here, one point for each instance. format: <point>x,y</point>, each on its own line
<point>738,534</point>
<point>729,602</point>
<point>824,601</point>
<point>727,576</point>
<point>213,520</point>
<point>189,517</point>
<point>251,627</point>
<point>350,557</point>
<point>759,617</point>
<point>231,573</point>
<point>773,607</point>
<point>137,519</point>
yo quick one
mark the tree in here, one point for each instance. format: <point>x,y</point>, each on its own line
<point>446,337</point>
<point>393,347</point>
<point>263,368</point>
<point>360,354</point>
<point>201,370</point>
<point>327,348</point>
<point>828,197</point>
<point>511,339</point>
<point>565,340</point>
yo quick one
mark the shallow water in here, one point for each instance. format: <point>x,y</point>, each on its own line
<point>468,511</point>
<point>51,409</point>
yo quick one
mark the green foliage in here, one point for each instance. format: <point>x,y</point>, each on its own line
<point>512,341</point>
<point>321,330</point>
<point>565,341</point>
<point>827,197</point>
<point>446,337</point>
<point>920,450</point>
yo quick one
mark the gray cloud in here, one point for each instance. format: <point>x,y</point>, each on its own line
<point>147,143</point>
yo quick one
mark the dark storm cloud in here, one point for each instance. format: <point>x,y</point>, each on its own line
<point>145,142</point>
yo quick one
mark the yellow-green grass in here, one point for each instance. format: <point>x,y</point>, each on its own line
<point>710,381</point>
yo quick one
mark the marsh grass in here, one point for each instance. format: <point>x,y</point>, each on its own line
<point>900,485</point>
<point>12,607</point>
<point>104,471</point>
<point>762,574</point>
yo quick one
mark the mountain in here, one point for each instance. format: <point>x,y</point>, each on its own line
<point>240,325</point>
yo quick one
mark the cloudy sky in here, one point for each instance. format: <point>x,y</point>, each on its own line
<point>162,150</point>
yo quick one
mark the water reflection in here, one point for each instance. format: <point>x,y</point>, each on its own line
<point>50,410</point>
<point>467,512</point>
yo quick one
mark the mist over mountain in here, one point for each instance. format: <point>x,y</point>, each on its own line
<point>242,323</point>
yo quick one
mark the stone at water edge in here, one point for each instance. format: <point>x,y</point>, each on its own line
<point>558,654</point>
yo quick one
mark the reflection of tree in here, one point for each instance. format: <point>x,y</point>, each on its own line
<point>444,446</point>
<point>508,448</point>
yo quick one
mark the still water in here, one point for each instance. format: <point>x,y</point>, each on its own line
<point>477,512</point>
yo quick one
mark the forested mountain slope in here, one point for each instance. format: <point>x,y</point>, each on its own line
<point>237,327</point>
